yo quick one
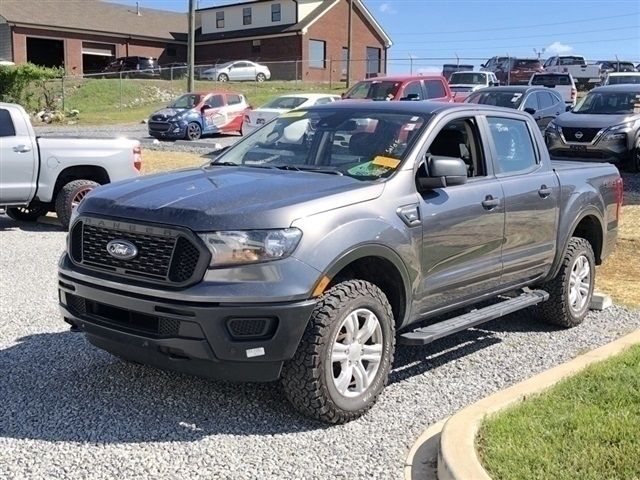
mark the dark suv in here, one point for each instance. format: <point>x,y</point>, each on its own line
<point>134,67</point>
<point>518,71</point>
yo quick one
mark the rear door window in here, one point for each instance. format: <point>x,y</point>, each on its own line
<point>435,89</point>
<point>514,150</point>
<point>6,124</point>
<point>545,100</point>
<point>234,99</point>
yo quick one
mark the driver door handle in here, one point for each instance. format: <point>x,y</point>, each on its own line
<point>544,191</point>
<point>22,148</point>
<point>489,203</point>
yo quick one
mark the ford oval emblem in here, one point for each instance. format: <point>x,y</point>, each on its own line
<point>578,135</point>
<point>122,249</point>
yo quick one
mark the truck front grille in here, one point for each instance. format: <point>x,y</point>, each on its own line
<point>163,255</point>
<point>586,135</point>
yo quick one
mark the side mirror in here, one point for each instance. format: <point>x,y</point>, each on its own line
<point>443,172</point>
<point>530,110</point>
<point>568,108</point>
<point>342,95</point>
<point>483,65</point>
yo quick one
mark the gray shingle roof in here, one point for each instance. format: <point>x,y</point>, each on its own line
<point>96,16</point>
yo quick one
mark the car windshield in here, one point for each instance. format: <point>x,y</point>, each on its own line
<point>468,78</point>
<point>497,99</point>
<point>617,79</point>
<point>551,80</point>
<point>285,103</point>
<point>527,64</point>
<point>374,90</point>
<point>609,103</point>
<point>361,144</point>
<point>189,100</point>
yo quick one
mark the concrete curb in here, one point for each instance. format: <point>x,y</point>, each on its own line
<point>457,458</point>
<point>422,459</point>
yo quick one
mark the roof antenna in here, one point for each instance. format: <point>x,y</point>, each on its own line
<point>138,9</point>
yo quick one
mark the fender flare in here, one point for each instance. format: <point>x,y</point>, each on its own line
<point>375,250</point>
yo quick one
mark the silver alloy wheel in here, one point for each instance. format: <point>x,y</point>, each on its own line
<point>356,352</point>
<point>193,131</point>
<point>579,283</point>
<point>79,196</point>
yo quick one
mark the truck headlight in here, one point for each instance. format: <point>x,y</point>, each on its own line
<point>552,128</point>
<point>250,246</point>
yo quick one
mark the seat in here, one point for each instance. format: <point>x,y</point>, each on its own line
<point>364,144</point>
<point>452,143</point>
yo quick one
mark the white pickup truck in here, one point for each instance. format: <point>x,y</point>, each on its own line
<point>585,76</point>
<point>39,175</point>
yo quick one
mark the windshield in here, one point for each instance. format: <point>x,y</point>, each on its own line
<point>617,79</point>
<point>609,103</point>
<point>189,100</point>
<point>497,99</point>
<point>285,103</point>
<point>374,90</point>
<point>468,78</point>
<point>361,144</point>
<point>551,80</point>
<point>571,61</point>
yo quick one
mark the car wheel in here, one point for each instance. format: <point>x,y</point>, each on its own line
<point>223,77</point>
<point>28,213</point>
<point>194,131</point>
<point>633,164</point>
<point>343,361</point>
<point>571,290</point>
<point>69,197</point>
<point>261,77</point>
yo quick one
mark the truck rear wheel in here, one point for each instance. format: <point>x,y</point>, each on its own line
<point>70,196</point>
<point>571,290</point>
<point>28,213</point>
<point>343,361</point>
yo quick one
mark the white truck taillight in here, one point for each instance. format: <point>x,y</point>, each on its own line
<point>574,92</point>
<point>137,158</point>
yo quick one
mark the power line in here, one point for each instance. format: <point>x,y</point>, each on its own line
<point>518,27</point>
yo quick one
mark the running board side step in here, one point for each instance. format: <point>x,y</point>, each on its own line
<point>422,336</point>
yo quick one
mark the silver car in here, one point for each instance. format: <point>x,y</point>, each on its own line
<point>240,70</point>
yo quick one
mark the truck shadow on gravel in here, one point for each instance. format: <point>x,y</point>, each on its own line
<point>57,387</point>
<point>7,224</point>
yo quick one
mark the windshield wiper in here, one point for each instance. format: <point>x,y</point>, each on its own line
<point>308,168</point>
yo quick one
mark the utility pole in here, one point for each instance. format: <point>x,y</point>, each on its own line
<point>191,53</point>
<point>349,35</point>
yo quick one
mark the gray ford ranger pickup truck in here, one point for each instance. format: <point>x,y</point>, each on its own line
<point>303,252</point>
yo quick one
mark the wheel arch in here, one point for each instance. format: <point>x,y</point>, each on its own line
<point>80,172</point>
<point>381,266</point>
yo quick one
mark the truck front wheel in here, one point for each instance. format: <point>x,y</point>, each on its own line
<point>69,197</point>
<point>28,213</point>
<point>571,290</point>
<point>343,361</point>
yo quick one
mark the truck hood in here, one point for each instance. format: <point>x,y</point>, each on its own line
<point>227,197</point>
<point>589,120</point>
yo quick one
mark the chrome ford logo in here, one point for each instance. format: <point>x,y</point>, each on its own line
<point>578,135</point>
<point>122,249</point>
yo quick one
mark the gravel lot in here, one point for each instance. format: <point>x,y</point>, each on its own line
<point>72,411</point>
<point>138,132</point>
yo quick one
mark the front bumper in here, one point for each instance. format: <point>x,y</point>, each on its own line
<point>600,149</point>
<point>169,133</point>
<point>239,342</point>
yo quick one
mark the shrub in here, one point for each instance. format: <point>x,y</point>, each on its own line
<point>29,85</point>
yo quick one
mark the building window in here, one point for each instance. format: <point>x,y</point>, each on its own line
<point>373,61</point>
<point>317,53</point>
<point>276,13</point>
<point>255,46</point>
<point>219,19</point>
<point>246,16</point>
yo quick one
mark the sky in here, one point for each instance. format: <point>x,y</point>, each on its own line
<point>428,31</point>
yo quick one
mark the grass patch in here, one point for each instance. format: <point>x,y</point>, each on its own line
<point>585,427</point>
<point>619,275</point>
<point>158,161</point>
<point>132,100</point>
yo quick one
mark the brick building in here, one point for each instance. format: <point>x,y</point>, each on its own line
<point>83,36</point>
<point>275,32</point>
<point>302,39</point>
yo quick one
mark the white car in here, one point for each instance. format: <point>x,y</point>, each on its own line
<point>615,78</point>
<point>562,83</point>
<point>39,175</point>
<point>240,70</point>
<point>254,119</point>
<point>463,83</point>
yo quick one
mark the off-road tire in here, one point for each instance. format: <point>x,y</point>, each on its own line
<point>27,214</point>
<point>67,196</point>
<point>305,378</point>
<point>557,310</point>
